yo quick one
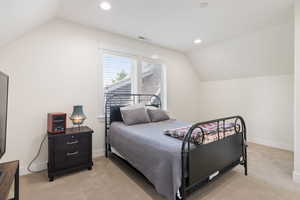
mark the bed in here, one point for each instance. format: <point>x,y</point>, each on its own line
<point>174,166</point>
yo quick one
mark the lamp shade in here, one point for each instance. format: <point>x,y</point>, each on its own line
<point>77,116</point>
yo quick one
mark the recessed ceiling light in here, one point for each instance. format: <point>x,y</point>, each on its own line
<point>203,4</point>
<point>140,37</point>
<point>155,56</point>
<point>105,5</point>
<point>197,41</point>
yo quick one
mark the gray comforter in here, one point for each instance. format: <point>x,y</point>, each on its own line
<point>154,154</point>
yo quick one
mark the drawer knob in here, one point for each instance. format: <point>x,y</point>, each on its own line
<point>73,142</point>
<point>73,153</point>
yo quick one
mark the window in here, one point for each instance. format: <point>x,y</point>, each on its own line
<point>117,74</point>
<point>152,79</point>
<point>132,74</point>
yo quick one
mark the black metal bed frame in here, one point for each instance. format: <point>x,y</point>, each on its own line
<point>199,162</point>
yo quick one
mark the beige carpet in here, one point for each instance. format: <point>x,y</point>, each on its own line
<point>270,177</point>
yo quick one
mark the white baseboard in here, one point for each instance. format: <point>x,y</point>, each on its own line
<point>296,176</point>
<point>279,145</point>
<point>98,153</point>
<point>35,167</point>
<point>43,165</point>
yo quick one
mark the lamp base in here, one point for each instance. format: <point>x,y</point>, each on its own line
<point>76,127</point>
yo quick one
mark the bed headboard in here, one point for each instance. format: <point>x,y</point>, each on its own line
<point>113,102</point>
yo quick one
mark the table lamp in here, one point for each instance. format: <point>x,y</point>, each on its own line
<point>77,116</point>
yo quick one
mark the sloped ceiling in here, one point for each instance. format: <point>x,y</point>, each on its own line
<point>175,24</point>
<point>17,17</point>
<point>170,23</point>
<point>264,52</point>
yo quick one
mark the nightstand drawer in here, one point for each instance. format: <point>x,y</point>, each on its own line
<point>72,143</point>
<point>71,163</point>
<point>69,159</point>
<point>65,156</point>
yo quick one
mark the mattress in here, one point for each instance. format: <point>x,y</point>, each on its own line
<point>148,149</point>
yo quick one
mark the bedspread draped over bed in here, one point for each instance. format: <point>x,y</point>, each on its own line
<point>150,151</point>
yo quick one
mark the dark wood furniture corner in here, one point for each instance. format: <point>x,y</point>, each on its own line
<point>11,175</point>
<point>70,151</point>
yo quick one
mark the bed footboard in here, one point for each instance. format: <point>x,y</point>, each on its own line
<point>200,163</point>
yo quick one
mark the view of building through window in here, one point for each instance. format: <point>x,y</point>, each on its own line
<point>151,78</point>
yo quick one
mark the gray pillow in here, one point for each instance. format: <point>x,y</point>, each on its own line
<point>134,115</point>
<point>157,115</point>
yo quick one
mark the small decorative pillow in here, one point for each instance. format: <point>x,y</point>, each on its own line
<point>210,132</point>
<point>135,114</point>
<point>180,133</point>
<point>157,115</point>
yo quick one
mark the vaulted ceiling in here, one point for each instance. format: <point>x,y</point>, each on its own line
<point>17,17</point>
<point>176,23</point>
<point>170,23</point>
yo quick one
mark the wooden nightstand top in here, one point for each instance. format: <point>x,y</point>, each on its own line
<point>74,130</point>
<point>82,129</point>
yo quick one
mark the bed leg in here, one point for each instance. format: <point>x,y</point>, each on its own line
<point>246,167</point>
<point>106,151</point>
<point>246,162</point>
<point>182,194</point>
<point>109,148</point>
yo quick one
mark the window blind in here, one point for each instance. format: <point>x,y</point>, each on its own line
<point>117,73</point>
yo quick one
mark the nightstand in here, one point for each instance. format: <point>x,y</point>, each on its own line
<point>70,151</point>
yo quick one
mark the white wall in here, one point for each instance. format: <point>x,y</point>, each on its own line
<point>18,17</point>
<point>265,52</point>
<point>57,66</point>
<point>251,75</point>
<point>297,94</point>
<point>266,103</point>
